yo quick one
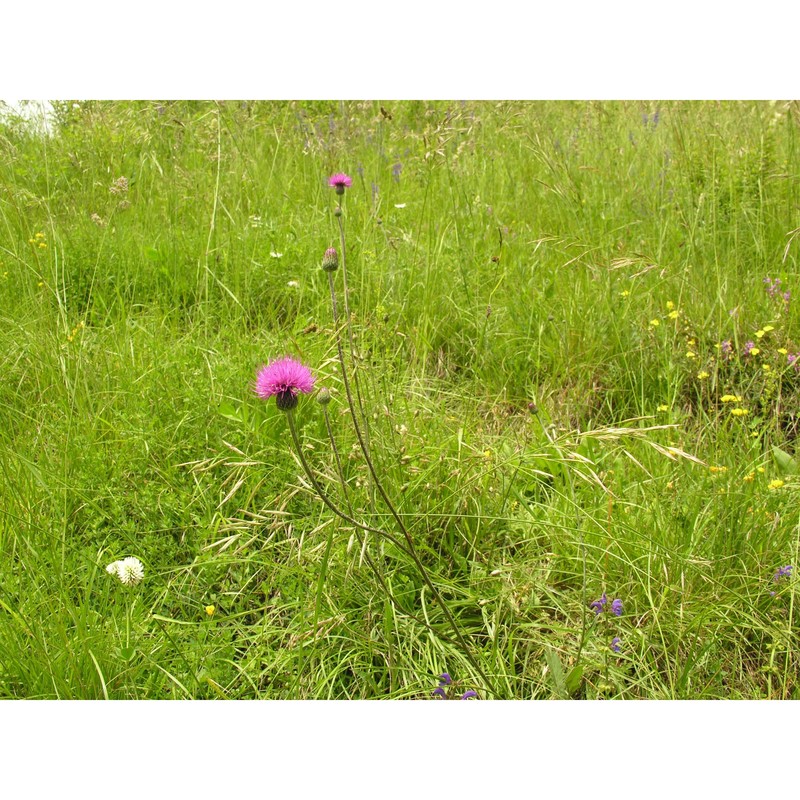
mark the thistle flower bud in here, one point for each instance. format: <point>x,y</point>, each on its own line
<point>337,212</point>
<point>323,396</point>
<point>330,261</point>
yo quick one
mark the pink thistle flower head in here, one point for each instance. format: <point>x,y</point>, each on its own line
<point>284,379</point>
<point>340,182</point>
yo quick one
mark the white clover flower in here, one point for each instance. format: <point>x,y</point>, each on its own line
<point>293,285</point>
<point>274,254</point>
<point>399,205</point>
<point>130,570</point>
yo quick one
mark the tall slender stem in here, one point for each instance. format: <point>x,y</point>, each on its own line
<point>412,551</point>
<point>350,337</point>
<point>323,496</point>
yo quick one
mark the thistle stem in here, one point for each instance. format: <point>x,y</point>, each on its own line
<point>323,496</point>
<point>411,550</point>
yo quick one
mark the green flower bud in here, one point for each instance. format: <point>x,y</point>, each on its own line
<point>330,261</point>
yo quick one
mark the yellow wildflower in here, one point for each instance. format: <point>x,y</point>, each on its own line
<point>776,484</point>
<point>691,342</point>
<point>783,351</point>
<point>670,305</point>
<point>42,244</point>
<point>662,407</point>
<point>759,334</point>
<point>766,367</point>
<point>210,610</point>
<point>40,236</point>
<point>690,354</point>
<point>673,314</point>
<point>730,398</point>
<point>654,323</point>
<point>702,375</point>
<point>624,293</point>
<point>718,469</point>
<point>739,412</point>
<point>768,328</point>
<point>749,478</point>
<point>754,351</point>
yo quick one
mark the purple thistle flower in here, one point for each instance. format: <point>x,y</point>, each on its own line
<point>615,644</point>
<point>340,182</point>
<point>616,607</point>
<point>467,695</point>
<point>783,572</point>
<point>441,692</point>
<point>284,379</point>
<point>599,605</point>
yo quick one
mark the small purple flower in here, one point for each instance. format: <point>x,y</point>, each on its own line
<point>787,296</point>
<point>783,572</point>
<point>445,679</point>
<point>772,286</point>
<point>396,170</point>
<point>748,347</point>
<point>340,182</point>
<point>615,644</point>
<point>441,692</point>
<point>467,695</point>
<point>726,348</point>
<point>616,607</point>
<point>599,605</point>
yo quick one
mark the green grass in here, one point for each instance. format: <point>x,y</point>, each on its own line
<point>521,253</point>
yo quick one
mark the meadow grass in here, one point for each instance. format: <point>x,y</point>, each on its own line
<point>554,309</point>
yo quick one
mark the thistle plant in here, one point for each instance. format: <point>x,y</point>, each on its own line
<point>340,181</point>
<point>286,378</point>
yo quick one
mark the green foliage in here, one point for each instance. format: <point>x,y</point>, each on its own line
<point>603,262</point>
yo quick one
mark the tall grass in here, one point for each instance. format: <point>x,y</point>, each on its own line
<point>514,272</point>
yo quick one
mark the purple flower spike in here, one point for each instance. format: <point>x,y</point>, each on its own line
<point>615,644</point>
<point>467,695</point>
<point>616,608</point>
<point>599,605</point>
<point>783,572</point>
<point>445,679</point>
<point>441,692</point>
<point>284,379</point>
